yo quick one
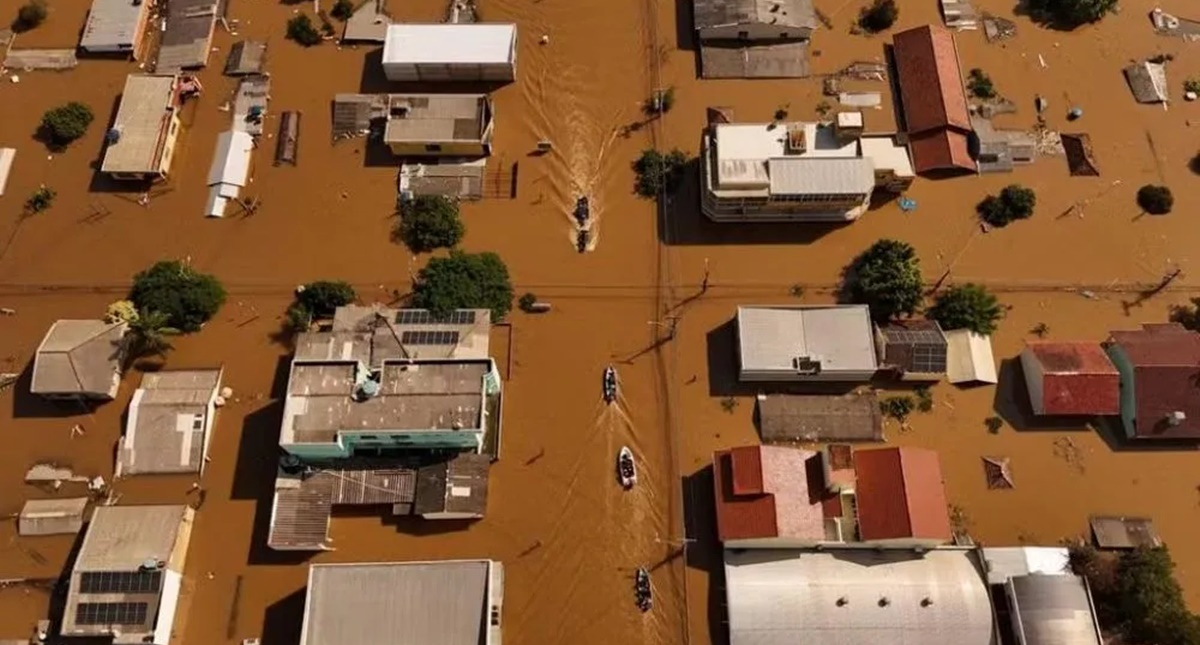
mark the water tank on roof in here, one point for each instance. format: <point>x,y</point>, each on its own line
<point>366,390</point>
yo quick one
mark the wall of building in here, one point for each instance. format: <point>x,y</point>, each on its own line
<point>1034,380</point>
<point>167,607</point>
<point>495,593</point>
<point>445,72</point>
<point>169,141</point>
<point>845,376</point>
<point>757,31</point>
<point>1124,367</point>
<point>439,149</point>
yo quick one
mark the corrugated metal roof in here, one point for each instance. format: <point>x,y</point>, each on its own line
<point>801,417</point>
<point>186,42</point>
<point>231,160</point>
<point>821,176</point>
<point>79,357</point>
<point>450,43</point>
<point>839,336</point>
<point>113,23</point>
<point>969,357</point>
<point>1011,561</point>
<point>900,494</point>
<point>778,13</point>
<point>1054,610</point>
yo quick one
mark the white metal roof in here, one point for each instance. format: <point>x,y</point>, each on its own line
<point>856,597</point>
<point>886,153</point>
<point>450,43</point>
<point>969,357</point>
<point>112,23</point>
<point>231,161</point>
<point>840,336</point>
<point>816,176</point>
<point>1012,561</point>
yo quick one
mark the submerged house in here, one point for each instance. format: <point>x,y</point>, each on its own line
<point>769,172</point>
<point>169,425</point>
<point>1157,365</point>
<point>1070,378</point>
<point>933,99</point>
<point>141,143</point>
<point>752,39</point>
<point>805,343</point>
<point>439,125</point>
<point>472,52</point>
<point>229,172</point>
<point>80,359</point>
<point>1045,602</point>
<point>913,350</point>
<point>116,26</point>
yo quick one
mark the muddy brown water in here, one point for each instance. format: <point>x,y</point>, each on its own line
<point>569,538</point>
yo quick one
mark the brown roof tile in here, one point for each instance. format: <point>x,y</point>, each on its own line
<point>900,494</point>
<point>940,149</point>
<point>1078,378</point>
<point>787,506</point>
<point>931,86</point>
<point>1166,368</point>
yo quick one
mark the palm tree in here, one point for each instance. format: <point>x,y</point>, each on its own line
<point>148,334</point>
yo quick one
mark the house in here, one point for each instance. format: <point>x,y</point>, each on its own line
<point>934,101</point>
<point>229,172</point>
<point>439,125</point>
<point>449,602</point>
<point>116,26</point>
<point>969,358</point>
<point>473,52</point>
<point>914,350</point>
<point>1157,366</point>
<point>52,516</point>
<point>857,597</point>
<point>246,57</point>
<point>126,580</point>
<point>1070,378</point>
<point>769,172</point>
<point>169,425</point>
<point>79,359</point>
<point>187,35</point>
<point>900,497</point>
<point>141,143</point>
<point>1147,81</point>
<point>805,343</point>
<point>751,20</point>
<point>368,23</point>
<point>763,498</point>
<point>1043,600</point>
<point>787,418</point>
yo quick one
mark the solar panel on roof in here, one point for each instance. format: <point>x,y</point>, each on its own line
<point>423,317</point>
<point>111,613</point>
<point>120,582</point>
<point>429,338</point>
<point>929,359</point>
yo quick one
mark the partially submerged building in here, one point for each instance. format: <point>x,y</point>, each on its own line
<point>246,57</point>
<point>229,172</point>
<point>52,516</point>
<point>1147,81</point>
<point>169,425</point>
<point>447,602</point>
<point>805,343</point>
<point>141,143</point>
<point>933,99</point>
<point>116,26</point>
<point>80,359</point>
<point>1070,378</point>
<point>1158,366</point>
<point>768,172</point>
<point>913,350</point>
<point>187,35</point>
<point>753,39</point>
<point>439,125</point>
<point>969,358</point>
<point>127,578</point>
<point>788,418</point>
<point>474,52</point>
<point>1043,601</point>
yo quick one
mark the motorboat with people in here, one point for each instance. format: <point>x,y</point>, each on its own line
<point>642,593</point>
<point>610,384</point>
<point>626,469</point>
<point>583,211</point>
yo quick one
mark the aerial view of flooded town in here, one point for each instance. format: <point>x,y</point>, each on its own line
<point>573,322</point>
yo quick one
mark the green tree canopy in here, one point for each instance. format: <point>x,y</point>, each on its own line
<point>966,306</point>
<point>30,15</point>
<point>1014,202</point>
<point>149,334</point>
<point>185,296</point>
<point>1156,200</point>
<point>342,9</point>
<point>302,30</point>
<point>887,278</point>
<point>1069,14</point>
<point>658,173</point>
<point>464,281</point>
<point>430,222</point>
<point>67,123</point>
<point>323,297</point>
<point>880,15</point>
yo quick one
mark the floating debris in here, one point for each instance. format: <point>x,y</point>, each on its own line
<point>1080,158</point>
<point>861,99</point>
<point>51,473</point>
<point>864,71</point>
<point>998,29</point>
<point>1168,25</point>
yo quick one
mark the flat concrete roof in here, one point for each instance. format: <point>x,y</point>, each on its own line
<point>167,421</point>
<point>771,338</point>
<point>112,24</point>
<point>450,43</point>
<point>143,119</point>
<point>887,153</point>
<point>434,118</point>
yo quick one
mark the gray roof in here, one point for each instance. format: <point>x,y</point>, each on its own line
<point>783,13</point>
<point>143,119</point>
<point>436,118</point>
<point>111,23</point>
<point>303,505</point>
<point>185,43</point>
<point>167,423</point>
<point>783,597</point>
<point>121,538</point>
<point>821,176</point>
<point>1147,81</point>
<point>459,486</point>
<point>407,603</point>
<point>1013,561</point>
<point>802,417</point>
<point>368,23</point>
<point>79,357</point>
<point>1054,610</point>
<point>52,516</point>
<point>246,57</point>
<point>454,180</point>
<point>839,336</point>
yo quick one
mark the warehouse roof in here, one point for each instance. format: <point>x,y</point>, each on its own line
<point>450,43</point>
<point>774,337</point>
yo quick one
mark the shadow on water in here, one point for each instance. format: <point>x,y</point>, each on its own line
<point>704,552</point>
<point>27,404</point>
<point>283,620</point>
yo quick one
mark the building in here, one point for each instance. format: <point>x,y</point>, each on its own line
<point>934,101</point>
<point>116,26</point>
<point>914,350</point>
<point>805,343</point>
<point>439,125</point>
<point>1158,365</point>
<point>474,52</point>
<point>969,358</point>
<point>126,580</point>
<point>766,172</point>
<point>169,424</point>
<point>1045,603</point>
<point>141,143</point>
<point>52,516</point>
<point>80,359</point>
<point>900,497</point>
<point>229,172</point>
<point>1070,378</point>
<point>751,20</point>
<point>857,597</point>
<point>788,418</point>
<point>448,602</point>
<point>187,35</point>
<point>763,498</point>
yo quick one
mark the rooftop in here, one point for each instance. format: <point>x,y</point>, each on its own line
<point>142,124</point>
<point>52,516</point>
<point>1165,359</point>
<point>801,417</point>
<point>431,603</point>
<point>969,357</point>
<point>900,495</point>
<point>186,40</point>
<point>246,57</point>
<point>933,98</point>
<point>1013,561</point>
<point>1077,378</point>
<point>785,13</point>
<point>112,23</point>
<point>450,43</point>
<point>79,357</point>
<point>764,492</point>
<point>917,346</point>
<point>744,151</point>
<point>373,334</point>
<point>837,337</point>
<point>436,117</point>
<point>1054,610</point>
<point>167,422</point>
<point>458,486</point>
<point>856,597</point>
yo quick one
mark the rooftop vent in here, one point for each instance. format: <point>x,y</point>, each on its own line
<point>807,365</point>
<point>1176,418</point>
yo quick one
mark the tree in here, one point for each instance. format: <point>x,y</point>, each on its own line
<point>660,102</point>
<point>149,334</point>
<point>323,297</point>
<point>32,14</point>
<point>1014,202</point>
<point>980,84</point>
<point>966,306</point>
<point>67,123</point>
<point>527,302</point>
<point>302,30</point>
<point>887,278</point>
<point>342,9</point>
<point>464,281</point>
<point>187,297</point>
<point>1136,593</point>
<point>1069,14</point>
<point>658,173</point>
<point>430,222</point>
<point>40,200</point>
<point>881,15</point>
<point>1187,315</point>
<point>1156,200</point>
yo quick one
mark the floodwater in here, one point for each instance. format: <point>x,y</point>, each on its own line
<point>570,539</point>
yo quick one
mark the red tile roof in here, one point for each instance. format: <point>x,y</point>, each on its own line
<point>785,506</point>
<point>940,149</point>
<point>1166,369</point>
<point>931,84</point>
<point>1078,378</point>
<point>900,495</point>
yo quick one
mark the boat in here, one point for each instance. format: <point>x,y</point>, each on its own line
<point>610,384</point>
<point>583,211</point>
<point>642,592</point>
<point>626,469</point>
<point>582,239</point>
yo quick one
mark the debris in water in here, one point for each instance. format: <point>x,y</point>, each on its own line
<point>50,473</point>
<point>1090,295</point>
<point>997,29</point>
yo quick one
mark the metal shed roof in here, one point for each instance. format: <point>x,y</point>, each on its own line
<point>821,176</point>
<point>450,43</point>
<point>231,161</point>
<point>1054,610</point>
<point>112,23</point>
